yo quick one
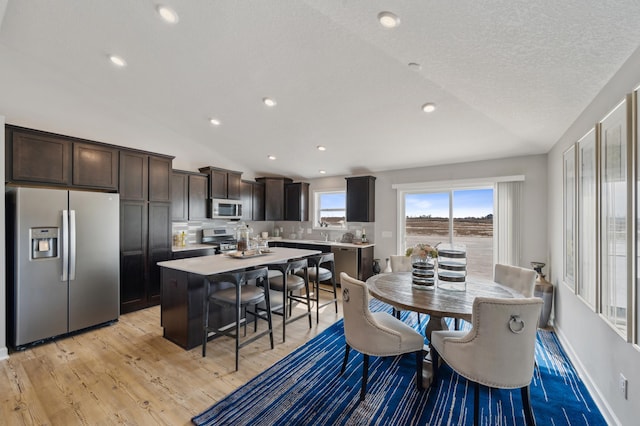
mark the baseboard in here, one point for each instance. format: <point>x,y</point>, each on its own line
<point>4,353</point>
<point>594,391</point>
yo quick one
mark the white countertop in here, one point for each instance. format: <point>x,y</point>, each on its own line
<point>325,243</point>
<point>219,263</point>
<point>192,247</point>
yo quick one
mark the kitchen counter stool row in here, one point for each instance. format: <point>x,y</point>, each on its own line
<point>212,296</point>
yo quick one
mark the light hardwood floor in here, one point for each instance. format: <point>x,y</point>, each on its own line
<point>127,373</point>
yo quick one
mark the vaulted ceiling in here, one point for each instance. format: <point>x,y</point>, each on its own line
<point>507,77</point>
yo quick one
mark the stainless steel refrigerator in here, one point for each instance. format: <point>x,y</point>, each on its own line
<point>63,261</point>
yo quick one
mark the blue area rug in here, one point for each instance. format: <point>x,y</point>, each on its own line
<point>304,389</point>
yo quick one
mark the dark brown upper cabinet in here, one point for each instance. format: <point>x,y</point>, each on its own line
<point>179,195</point>
<point>95,166</point>
<point>361,199</point>
<point>274,196</point>
<point>224,184</point>
<point>188,195</point>
<point>38,157</point>
<point>296,201</point>
<point>134,176</point>
<point>252,197</point>
<point>159,179</point>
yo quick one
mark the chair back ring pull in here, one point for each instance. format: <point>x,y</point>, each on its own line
<point>516,324</point>
<point>345,295</point>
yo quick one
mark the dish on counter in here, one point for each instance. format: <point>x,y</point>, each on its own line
<point>246,254</point>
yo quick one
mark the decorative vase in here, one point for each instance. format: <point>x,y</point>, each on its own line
<point>387,268</point>
<point>376,266</point>
<point>543,290</point>
<point>423,272</point>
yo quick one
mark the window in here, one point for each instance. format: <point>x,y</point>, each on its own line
<point>463,216</point>
<point>569,198</point>
<point>587,219</point>
<point>330,209</point>
<point>614,227</point>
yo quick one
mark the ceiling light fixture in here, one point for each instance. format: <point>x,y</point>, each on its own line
<point>169,15</point>
<point>117,61</point>
<point>271,157</point>
<point>388,19</point>
<point>322,172</point>
<point>321,148</point>
<point>415,66</point>
<point>429,107</point>
<point>269,102</point>
<point>214,122</point>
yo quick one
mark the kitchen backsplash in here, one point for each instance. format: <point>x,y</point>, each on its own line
<point>287,230</point>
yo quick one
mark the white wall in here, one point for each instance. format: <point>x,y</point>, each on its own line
<point>597,351</point>
<point>534,168</point>
<point>3,292</point>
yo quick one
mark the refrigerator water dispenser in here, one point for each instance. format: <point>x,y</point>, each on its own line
<point>44,242</point>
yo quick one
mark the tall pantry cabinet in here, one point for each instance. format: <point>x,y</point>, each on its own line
<point>145,226</point>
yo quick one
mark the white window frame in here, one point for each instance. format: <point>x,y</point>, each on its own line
<point>445,186</point>
<point>316,209</point>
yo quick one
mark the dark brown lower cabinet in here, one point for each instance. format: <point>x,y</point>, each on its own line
<point>133,255</point>
<point>145,239</point>
<point>181,312</point>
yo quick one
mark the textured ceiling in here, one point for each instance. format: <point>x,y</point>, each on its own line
<point>508,77</point>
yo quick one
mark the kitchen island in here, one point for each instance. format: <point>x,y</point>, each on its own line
<point>356,259</point>
<point>182,291</point>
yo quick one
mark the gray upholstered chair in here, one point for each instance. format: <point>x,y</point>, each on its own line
<point>497,352</point>
<point>519,279</point>
<point>374,333</point>
<point>400,263</point>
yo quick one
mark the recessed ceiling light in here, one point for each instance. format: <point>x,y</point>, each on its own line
<point>214,122</point>
<point>269,102</point>
<point>321,148</point>
<point>322,171</point>
<point>415,66</point>
<point>168,14</point>
<point>429,107</point>
<point>117,61</point>
<point>388,19</point>
<point>271,157</point>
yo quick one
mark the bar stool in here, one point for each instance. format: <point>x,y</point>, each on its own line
<point>321,269</point>
<point>283,279</point>
<point>239,296</point>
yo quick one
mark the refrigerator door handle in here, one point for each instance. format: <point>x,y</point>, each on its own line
<point>72,245</point>
<point>65,245</point>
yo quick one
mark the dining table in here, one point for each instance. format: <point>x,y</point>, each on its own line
<point>182,290</point>
<point>398,290</point>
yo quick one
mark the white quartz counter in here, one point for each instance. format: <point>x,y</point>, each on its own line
<point>326,243</point>
<point>191,247</point>
<point>219,263</point>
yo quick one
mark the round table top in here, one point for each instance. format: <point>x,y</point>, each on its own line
<point>397,290</point>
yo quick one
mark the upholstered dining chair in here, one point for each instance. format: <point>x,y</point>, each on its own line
<point>498,351</point>
<point>519,279</point>
<point>400,263</point>
<point>374,333</point>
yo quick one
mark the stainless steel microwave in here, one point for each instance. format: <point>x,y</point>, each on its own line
<point>224,209</point>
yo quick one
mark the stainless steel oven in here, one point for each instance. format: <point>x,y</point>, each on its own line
<point>219,238</point>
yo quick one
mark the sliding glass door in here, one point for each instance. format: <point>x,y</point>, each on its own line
<point>455,217</point>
